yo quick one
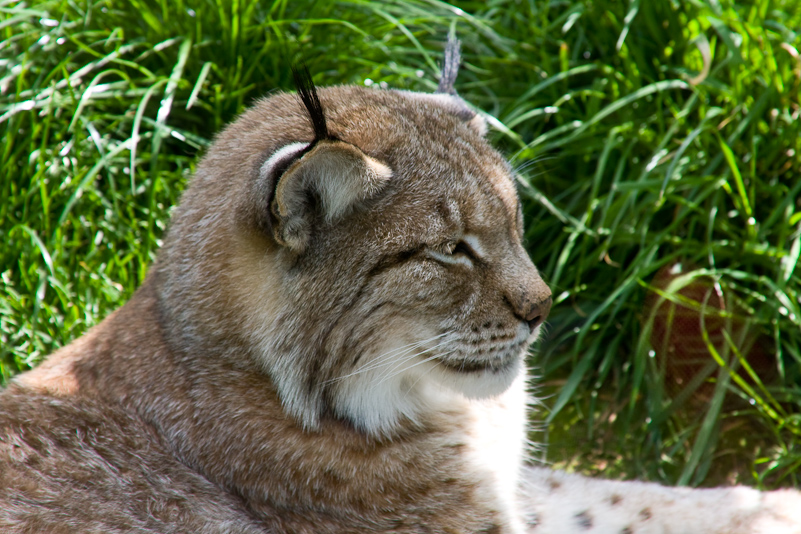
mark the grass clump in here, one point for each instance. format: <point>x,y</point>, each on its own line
<point>658,149</point>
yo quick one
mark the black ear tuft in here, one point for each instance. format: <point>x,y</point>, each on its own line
<point>450,66</point>
<point>308,95</point>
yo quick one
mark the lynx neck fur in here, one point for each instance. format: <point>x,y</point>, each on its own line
<point>331,340</point>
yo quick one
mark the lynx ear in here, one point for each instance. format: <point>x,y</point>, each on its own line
<point>451,60</point>
<point>330,180</point>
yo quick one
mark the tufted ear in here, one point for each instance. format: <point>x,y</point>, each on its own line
<point>329,180</point>
<point>451,60</point>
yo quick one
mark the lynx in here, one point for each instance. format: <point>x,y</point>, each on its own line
<point>331,340</point>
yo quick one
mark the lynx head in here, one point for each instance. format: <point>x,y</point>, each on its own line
<point>363,248</point>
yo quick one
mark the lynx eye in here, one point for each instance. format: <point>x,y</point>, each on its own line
<point>456,247</point>
<point>463,248</point>
<point>453,252</point>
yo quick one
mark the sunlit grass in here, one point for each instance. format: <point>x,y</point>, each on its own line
<point>658,149</point>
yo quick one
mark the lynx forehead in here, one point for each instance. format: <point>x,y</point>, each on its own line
<point>364,267</point>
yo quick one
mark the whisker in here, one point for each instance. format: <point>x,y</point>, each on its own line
<point>428,359</point>
<point>401,362</point>
<point>387,358</point>
<point>389,372</point>
<point>414,354</point>
<point>405,395</point>
<point>403,370</point>
<point>530,163</point>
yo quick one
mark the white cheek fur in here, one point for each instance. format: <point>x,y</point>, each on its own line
<point>401,381</point>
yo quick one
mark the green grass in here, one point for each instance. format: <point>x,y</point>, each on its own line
<point>647,135</point>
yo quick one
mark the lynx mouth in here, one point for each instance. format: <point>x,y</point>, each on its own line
<point>475,355</point>
<point>493,365</point>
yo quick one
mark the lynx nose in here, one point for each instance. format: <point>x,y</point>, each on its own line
<point>532,303</point>
<point>539,311</point>
<point>527,294</point>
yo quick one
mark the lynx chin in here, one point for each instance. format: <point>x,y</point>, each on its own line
<point>331,340</point>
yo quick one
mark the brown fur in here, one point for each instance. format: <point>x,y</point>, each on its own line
<point>330,341</point>
<point>220,398</point>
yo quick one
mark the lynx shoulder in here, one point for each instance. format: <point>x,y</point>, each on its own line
<point>331,340</point>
